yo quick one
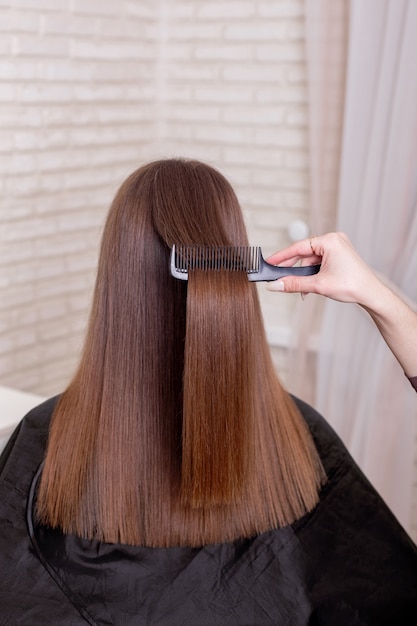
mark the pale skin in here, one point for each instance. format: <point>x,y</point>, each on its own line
<point>344,276</point>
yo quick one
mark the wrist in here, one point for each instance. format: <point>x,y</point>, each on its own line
<point>378,300</point>
<point>373,294</point>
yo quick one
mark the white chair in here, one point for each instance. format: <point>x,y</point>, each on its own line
<point>14,404</point>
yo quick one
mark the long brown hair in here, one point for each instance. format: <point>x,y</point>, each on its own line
<point>175,429</point>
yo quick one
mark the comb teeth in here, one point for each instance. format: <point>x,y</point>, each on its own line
<point>234,258</point>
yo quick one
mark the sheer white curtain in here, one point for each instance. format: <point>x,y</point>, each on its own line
<point>326,30</point>
<point>359,386</point>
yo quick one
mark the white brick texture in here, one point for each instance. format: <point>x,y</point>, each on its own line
<point>89,90</point>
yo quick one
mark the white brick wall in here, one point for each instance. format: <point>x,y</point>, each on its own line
<point>91,89</point>
<point>76,101</point>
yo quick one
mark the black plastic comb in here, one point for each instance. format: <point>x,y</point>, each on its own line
<point>247,259</point>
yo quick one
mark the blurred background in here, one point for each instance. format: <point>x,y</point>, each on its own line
<point>309,109</point>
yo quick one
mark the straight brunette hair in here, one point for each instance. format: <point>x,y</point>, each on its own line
<point>175,429</point>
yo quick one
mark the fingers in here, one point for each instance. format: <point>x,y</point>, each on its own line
<point>285,263</point>
<point>343,276</point>
<point>294,284</point>
<point>330,243</point>
<point>291,255</point>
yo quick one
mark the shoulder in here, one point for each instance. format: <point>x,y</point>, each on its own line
<point>316,422</point>
<point>333,452</point>
<point>28,594</point>
<point>360,558</point>
<point>28,442</point>
<point>41,413</point>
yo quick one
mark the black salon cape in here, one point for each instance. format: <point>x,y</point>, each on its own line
<point>347,563</point>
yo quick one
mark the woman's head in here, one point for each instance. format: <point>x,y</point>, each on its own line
<point>167,202</point>
<point>174,428</point>
<point>192,203</point>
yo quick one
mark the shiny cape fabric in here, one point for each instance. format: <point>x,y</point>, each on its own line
<point>348,562</point>
<point>413,381</point>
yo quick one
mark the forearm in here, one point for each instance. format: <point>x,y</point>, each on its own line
<point>397,323</point>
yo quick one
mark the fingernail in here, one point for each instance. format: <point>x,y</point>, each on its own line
<point>277,285</point>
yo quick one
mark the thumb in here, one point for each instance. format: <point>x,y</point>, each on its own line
<point>293,284</point>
